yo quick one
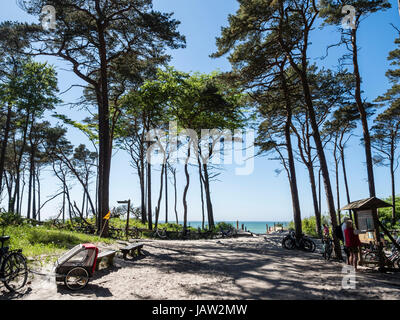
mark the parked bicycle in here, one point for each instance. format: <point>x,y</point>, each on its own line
<point>115,233</point>
<point>87,229</point>
<point>229,232</point>
<point>207,234</point>
<point>370,255</point>
<point>304,243</point>
<point>13,267</point>
<point>135,232</point>
<point>160,233</point>
<point>327,248</point>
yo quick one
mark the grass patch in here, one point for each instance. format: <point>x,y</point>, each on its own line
<point>39,240</point>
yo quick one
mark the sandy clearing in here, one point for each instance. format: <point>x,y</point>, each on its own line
<point>240,268</point>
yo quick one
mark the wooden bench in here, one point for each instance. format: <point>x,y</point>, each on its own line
<point>107,257</point>
<point>131,249</point>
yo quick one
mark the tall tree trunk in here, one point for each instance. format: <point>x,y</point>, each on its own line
<point>367,140</point>
<point>392,155</point>
<point>4,143</point>
<point>104,130</point>
<point>201,193</point>
<point>30,183</point>
<point>149,210</point>
<point>320,152</point>
<point>166,192</point>
<point>210,211</point>
<point>302,70</point>
<point>38,194</point>
<point>34,217</point>
<point>16,197</point>
<point>185,208</point>
<point>159,196</point>
<point>63,207</point>
<point>175,197</point>
<point>335,157</point>
<point>363,114</point>
<point>346,184</point>
<point>317,211</point>
<point>292,171</point>
<point>141,171</point>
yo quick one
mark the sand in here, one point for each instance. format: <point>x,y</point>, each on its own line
<point>238,268</point>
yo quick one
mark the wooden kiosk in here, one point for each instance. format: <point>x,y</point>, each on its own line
<point>365,217</point>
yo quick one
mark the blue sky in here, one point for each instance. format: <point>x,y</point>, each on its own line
<point>263,195</point>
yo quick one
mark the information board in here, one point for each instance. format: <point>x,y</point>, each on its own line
<point>365,220</point>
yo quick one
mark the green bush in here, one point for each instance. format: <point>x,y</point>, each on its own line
<point>59,239</point>
<point>36,241</point>
<point>309,225</point>
<point>223,226</point>
<point>10,218</point>
<point>385,214</point>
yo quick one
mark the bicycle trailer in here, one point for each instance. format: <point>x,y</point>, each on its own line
<point>77,265</point>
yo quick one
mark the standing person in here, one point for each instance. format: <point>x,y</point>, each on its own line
<point>343,227</point>
<point>326,231</point>
<point>352,242</point>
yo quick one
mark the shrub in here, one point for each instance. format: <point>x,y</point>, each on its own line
<point>223,226</point>
<point>10,218</point>
<point>309,225</point>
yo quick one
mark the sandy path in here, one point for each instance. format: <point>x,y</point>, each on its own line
<point>241,268</point>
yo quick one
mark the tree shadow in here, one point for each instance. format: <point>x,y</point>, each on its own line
<point>262,272</point>
<point>90,289</point>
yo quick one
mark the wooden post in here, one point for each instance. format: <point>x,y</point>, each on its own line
<point>127,218</point>
<point>237,224</point>
<point>355,222</point>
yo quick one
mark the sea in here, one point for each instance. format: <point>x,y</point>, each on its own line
<point>259,227</point>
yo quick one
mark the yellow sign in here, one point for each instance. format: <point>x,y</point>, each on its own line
<point>107,216</point>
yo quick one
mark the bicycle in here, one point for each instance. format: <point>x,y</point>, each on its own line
<point>135,232</point>
<point>230,232</point>
<point>207,234</point>
<point>13,270</point>
<point>327,248</point>
<point>115,233</point>
<point>160,233</point>
<point>371,256</point>
<point>304,243</point>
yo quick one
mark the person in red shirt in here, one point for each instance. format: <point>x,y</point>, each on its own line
<point>352,243</point>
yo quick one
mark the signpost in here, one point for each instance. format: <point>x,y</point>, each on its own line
<point>128,202</point>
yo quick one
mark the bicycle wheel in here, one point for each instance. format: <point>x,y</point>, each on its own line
<point>370,257</point>
<point>396,263</point>
<point>77,278</point>
<point>328,251</point>
<point>162,234</point>
<point>308,245</point>
<point>288,243</point>
<point>314,246</point>
<point>137,233</point>
<point>14,271</point>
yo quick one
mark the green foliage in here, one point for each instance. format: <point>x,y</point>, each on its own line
<point>36,241</point>
<point>385,214</point>
<point>10,218</point>
<point>309,225</point>
<point>223,226</point>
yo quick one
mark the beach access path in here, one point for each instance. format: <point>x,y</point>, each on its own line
<point>235,268</point>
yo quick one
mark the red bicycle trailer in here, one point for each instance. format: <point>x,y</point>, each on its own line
<point>77,266</point>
